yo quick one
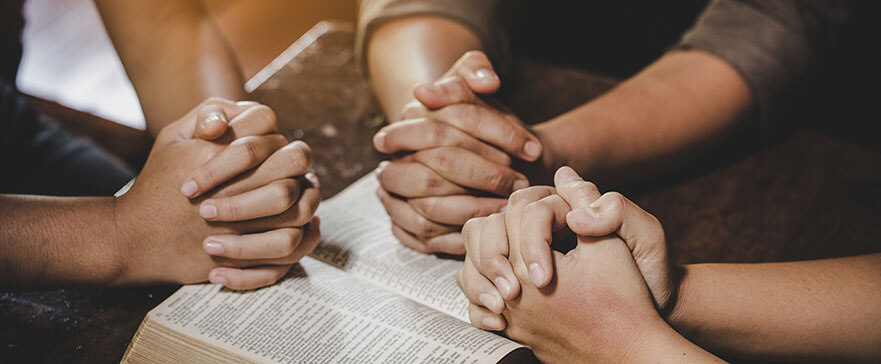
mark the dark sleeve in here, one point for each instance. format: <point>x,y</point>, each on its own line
<point>481,16</point>
<point>772,44</point>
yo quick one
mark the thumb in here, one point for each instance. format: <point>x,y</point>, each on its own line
<point>444,92</point>
<point>475,68</point>
<point>613,213</point>
<point>577,192</point>
<point>212,119</point>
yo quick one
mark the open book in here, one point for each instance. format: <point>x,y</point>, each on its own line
<point>361,297</point>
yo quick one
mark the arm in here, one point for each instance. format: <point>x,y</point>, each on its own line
<point>174,55</point>
<point>59,240</point>
<point>682,102</point>
<point>822,310</point>
<point>247,219</point>
<point>405,52</point>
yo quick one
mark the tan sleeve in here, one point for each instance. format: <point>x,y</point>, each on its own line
<point>482,16</point>
<point>772,44</point>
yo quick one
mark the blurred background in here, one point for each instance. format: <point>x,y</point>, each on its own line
<point>69,59</point>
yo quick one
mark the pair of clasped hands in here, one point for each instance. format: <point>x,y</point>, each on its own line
<point>247,200</point>
<point>452,156</point>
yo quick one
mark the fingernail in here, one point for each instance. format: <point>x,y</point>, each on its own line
<point>489,301</point>
<point>215,118</point>
<point>216,279</point>
<point>485,74</point>
<point>379,140</point>
<point>493,323</point>
<point>246,103</point>
<point>213,247</point>
<point>536,274</point>
<point>585,214</point>
<point>520,184</point>
<point>532,149</point>
<point>381,167</point>
<point>503,286</point>
<point>313,179</point>
<point>567,175</point>
<point>189,188</point>
<point>208,210</point>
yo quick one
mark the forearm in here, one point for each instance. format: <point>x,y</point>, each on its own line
<point>173,54</point>
<point>820,310</point>
<point>58,240</point>
<point>405,52</point>
<point>680,104</point>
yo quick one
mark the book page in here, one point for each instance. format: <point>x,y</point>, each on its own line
<point>320,314</point>
<point>356,236</point>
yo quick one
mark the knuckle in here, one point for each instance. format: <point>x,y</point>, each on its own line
<point>616,202</point>
<point>498,180</point>
<point>248,149</point>
<point>424,226</point>
<point>587,186</point>
<point>298,158</point>
<point>439,133</point>
<point>431,183</point>
<point>412,110</point>
<point>426,206</point>
<point>283,192</point>
<point>266,115</point>
<point>233,211</point>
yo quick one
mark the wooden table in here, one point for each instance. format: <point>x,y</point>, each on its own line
<point>801,195</point>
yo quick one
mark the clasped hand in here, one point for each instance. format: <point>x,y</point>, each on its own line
<point>223,197</point>
<point>590,302</point>
<point>451,157</point>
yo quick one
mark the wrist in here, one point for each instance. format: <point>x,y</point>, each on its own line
<point>677,308</point>
<point>125,242</point>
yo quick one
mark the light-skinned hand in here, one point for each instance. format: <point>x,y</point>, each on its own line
<point>451,157</point>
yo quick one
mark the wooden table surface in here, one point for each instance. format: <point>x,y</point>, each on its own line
<point>801,195</point>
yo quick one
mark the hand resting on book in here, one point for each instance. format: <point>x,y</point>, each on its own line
<point>236,209</point>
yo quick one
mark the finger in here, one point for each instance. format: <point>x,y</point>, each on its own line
<point>615,214</point>
<point>425,133</point>
<point>241,155</point>
<point>294,159</point>
<point>495,127</point>
<point>300,214</point>
<point>211,122</point>
<point>444,92</point>
<point>492,260</point>
<point>576,191</point>
<point>272,244</point>
<point>409,240</point>
<point>413,179</point>
<point>456,209</point>
<point>516,204</point>
<point>271,199</point>
<point>249,278</point>
<point>311,238</point>
<point>214,114</point>
<point>449,243</point>
<point>478,289</point>
<point>255,120</point>
<point>406,217</point>
<point>478,72</point>
<point>485,319</point>
<point>537,224</point>
<point>464,168</point>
